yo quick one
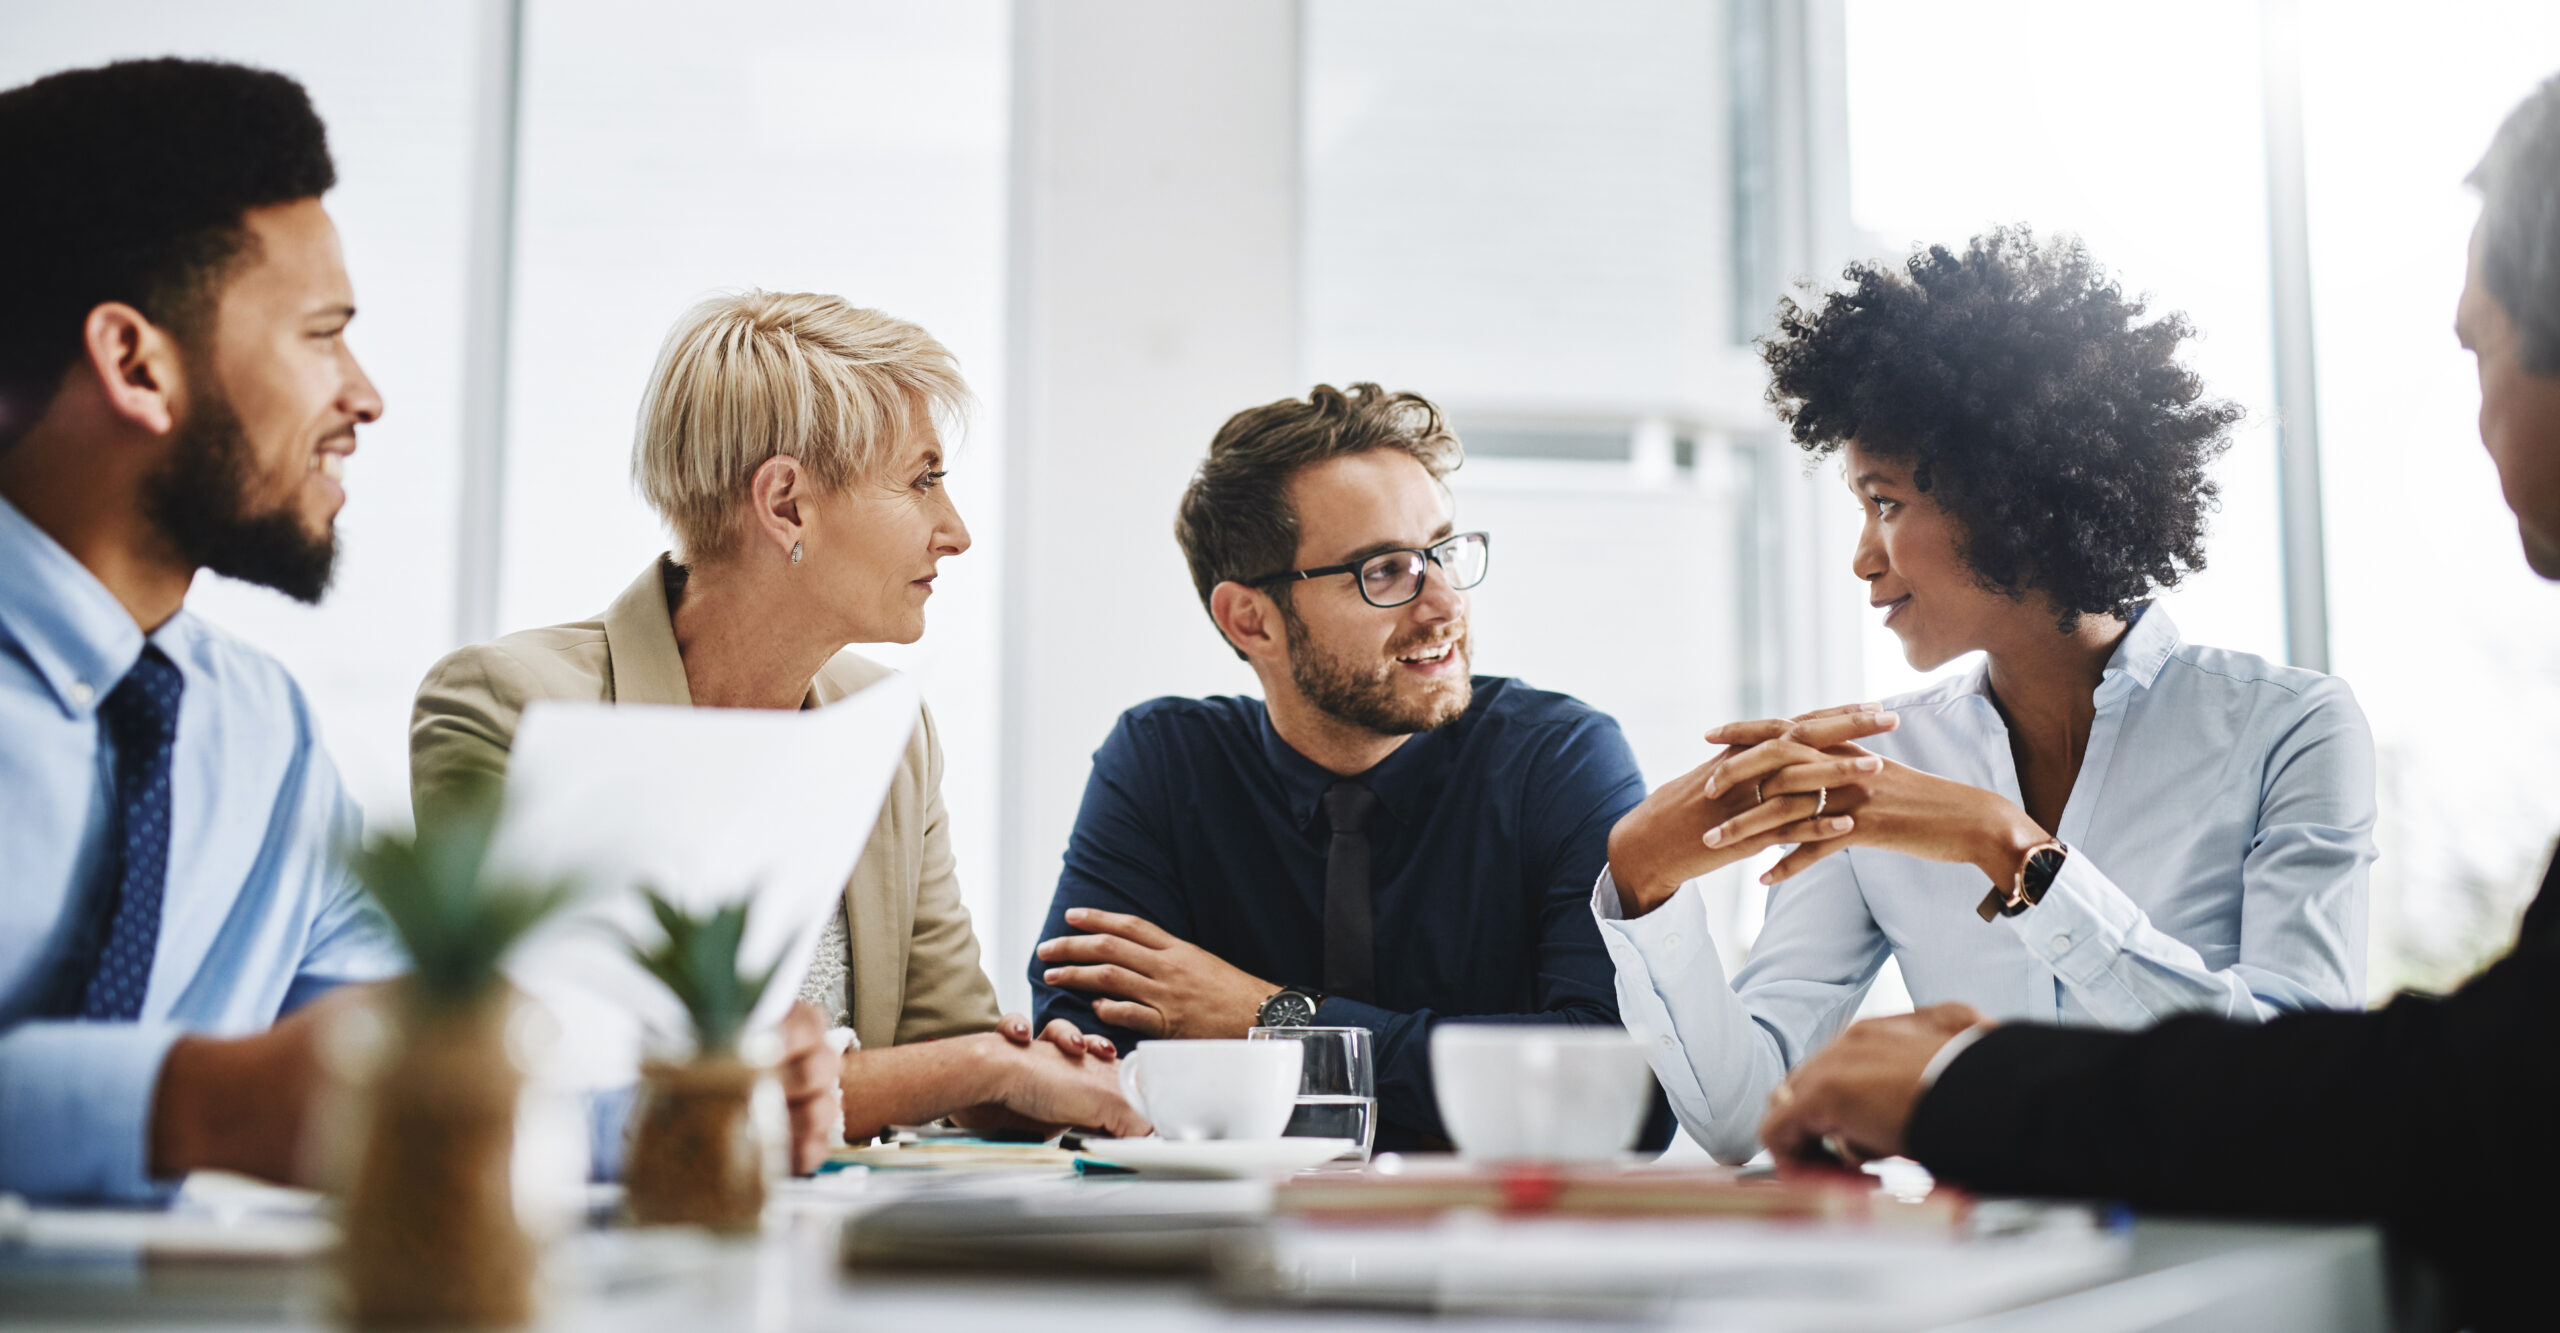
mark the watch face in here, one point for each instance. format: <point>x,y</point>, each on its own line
<point>1288,1009</point>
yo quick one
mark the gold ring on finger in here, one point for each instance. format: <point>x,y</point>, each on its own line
<point>1759,791</point>
<point>1821,801</point>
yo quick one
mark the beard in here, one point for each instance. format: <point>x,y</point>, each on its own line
<point>200,500</point>
<point>1364,693</point>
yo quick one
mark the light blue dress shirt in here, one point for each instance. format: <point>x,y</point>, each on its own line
<point>257,918</point>
<point>2221,832</point>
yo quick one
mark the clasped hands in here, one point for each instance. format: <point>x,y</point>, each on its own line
<point>1806,781</point>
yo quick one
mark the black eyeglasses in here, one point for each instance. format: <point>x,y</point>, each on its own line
<point>1393,578</point>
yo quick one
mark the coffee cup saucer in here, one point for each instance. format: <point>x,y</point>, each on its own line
<point>1214,1159</point>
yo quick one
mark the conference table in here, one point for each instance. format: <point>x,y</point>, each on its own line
<point>1195,1254</point>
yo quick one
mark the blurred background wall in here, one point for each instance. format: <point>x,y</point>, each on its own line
<point>1130,218</point>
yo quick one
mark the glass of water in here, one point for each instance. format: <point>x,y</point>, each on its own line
<point>1337,1086</point>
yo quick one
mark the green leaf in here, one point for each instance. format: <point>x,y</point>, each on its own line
<point>697,961</point>
<point>456,926</point>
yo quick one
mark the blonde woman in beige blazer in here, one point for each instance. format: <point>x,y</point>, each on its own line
<point>790,443</point>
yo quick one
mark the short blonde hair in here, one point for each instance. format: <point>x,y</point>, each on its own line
<point>745,377</point>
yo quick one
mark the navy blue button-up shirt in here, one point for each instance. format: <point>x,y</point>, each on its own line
<point>1483,848</point>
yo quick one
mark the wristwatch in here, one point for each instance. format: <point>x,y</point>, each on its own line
<point>2035,875</point>
<point>1288,1007</point>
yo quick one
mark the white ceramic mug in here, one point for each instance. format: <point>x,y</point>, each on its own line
<point>1213,1089</point>
<point>1512,1092</point>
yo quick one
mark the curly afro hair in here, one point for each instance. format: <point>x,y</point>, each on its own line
<point>2029,395</point>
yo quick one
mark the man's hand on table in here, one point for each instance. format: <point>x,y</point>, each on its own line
<point>240,1103</point>
<point>1853,1099</point>
<point>1145,980</point>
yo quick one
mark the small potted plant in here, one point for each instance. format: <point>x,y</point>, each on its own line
<point>704,1142</point>
<point>431,1235</point>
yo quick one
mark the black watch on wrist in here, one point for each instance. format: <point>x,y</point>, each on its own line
<point>1288,1007</point>
<point>2035,875</point>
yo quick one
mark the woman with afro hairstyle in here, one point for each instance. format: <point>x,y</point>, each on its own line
<point>2100,824</point>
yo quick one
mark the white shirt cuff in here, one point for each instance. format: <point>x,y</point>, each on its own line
<point>1955,1046</point>
<point>2081,925</point>
<point>75,1109</point>
<point>1604,898</point>
<point>1669,937</point>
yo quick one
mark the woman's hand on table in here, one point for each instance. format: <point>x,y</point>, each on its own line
<point>1066,1036</point>
<point>1760,792</point>
<point>1046,1085</point>
<point>808,1074</point>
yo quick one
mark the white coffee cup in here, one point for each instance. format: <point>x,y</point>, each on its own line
<point>1214,1089</point>
<point>1512,1092</point>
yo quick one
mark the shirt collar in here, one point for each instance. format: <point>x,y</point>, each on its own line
<point>2145,648</point>
<point>80,638</point>
<point>1404,781</point>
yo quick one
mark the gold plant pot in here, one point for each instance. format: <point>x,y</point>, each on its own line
<point>698,1156</point>
<point>431,1232</point>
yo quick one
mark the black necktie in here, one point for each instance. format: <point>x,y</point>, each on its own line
<point>110,963</point>
<point>1350,959</point>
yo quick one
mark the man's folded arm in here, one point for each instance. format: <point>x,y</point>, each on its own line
<point>1118,859</point>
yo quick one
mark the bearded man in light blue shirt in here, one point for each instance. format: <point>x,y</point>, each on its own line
<point>176,394</point>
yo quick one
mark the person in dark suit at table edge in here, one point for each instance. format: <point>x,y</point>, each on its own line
<point>2346,1115</point>
<point>1382,841</point>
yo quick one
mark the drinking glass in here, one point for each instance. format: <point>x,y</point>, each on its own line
<point>1337,1086</point>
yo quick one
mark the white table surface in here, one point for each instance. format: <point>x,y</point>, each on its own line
<point>86,1271</point>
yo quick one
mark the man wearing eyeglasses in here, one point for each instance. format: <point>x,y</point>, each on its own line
<point>1380,841</point>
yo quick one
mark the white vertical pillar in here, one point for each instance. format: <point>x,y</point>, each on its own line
<point>489,314</point>
<point>2306,582</point>
<point>1153,292</point>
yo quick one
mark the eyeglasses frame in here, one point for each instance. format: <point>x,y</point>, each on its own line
<point>1353,568</point>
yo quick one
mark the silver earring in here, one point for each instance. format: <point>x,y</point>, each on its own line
<point>795,553</point>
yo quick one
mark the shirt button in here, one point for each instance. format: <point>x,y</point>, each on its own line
<point>1667,1043</point>
<point>1672,940</point>
<point>81,694</point>
<point>2061,942</point>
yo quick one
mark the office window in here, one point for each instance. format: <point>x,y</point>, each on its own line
<point>2452,644</point>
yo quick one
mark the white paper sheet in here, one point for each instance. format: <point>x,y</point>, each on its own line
<point>707,805</point>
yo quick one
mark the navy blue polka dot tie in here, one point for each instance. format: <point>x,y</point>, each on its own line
<point>140,718</point>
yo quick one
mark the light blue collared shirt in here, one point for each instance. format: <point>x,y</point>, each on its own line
<point>2221,831</point>
<point>257,918</point>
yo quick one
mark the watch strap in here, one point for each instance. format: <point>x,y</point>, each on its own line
<point>2027,888</point>
<point>1262,1014</point>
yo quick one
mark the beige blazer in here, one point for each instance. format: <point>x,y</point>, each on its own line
<point>914,959</point>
